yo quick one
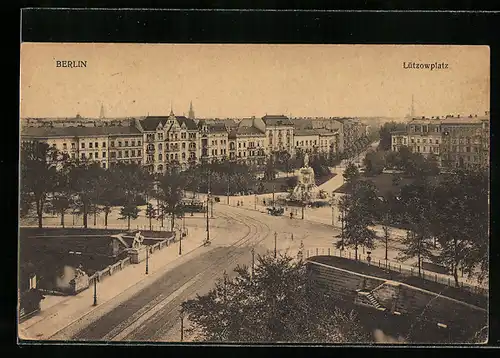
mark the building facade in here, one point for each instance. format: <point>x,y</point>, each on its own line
<point>455,141</point>
<point>279,133</point>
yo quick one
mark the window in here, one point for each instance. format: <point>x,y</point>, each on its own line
<point>133,143</point>
<point>139,142</point>
<point>467,149</point>
<point>73,145</point>
<point>83,145</point>
<point>96,155</point>
<point>113,154</point>
<point>104,165</point>
<point>183,155</point>
<point>176,156</point>
<point>73,156</point>
<point>418,148</point>
<point>413,140</point>
<point>112,143</point>
<point>418,140</point>
<point>297,143</point>
<point>133,153</point>
<point>183,135</point>
<point>244,144</point>
<point>160,147</point>
<point>424,140</point>
<point>221,141</point>
<point>139,162</point>
<point>171,156</point>
<point>160,157</point>
<point>119,154</point>
<point>83,155</point>
<point>139,153</point>
<point>183,145</point>
<point>126,154</point>
<point>104,144</point>
<point>437,141</point>
<point>160,136</point>
<point>216,152</point>
<point>90,155</point>
<point>119,143</point>
<point>96,145</point>
<point>126,143</point>
<point>104,154</point>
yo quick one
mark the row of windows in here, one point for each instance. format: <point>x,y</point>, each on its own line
<point>93,155</point>
<point>222,152</point>
<point>424,141</point>
<point>126,153</point>
<point>173,146</point>
<point>91,145</point>
<point>172,156</point>
<point>222,142</point>
<point>132,143</point>
<point>308,142</point>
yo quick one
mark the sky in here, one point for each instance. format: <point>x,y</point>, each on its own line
<point>252,80</point>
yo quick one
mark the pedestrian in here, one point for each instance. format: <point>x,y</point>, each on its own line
<point>291,215</point>
<point>264,202</point>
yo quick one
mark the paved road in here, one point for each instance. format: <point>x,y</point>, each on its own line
<point>153,311</point>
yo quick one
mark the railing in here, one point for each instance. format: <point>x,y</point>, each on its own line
<point>397,267</point>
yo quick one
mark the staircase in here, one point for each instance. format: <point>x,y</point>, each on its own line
<point>373,301</point>
<point>367,299</point>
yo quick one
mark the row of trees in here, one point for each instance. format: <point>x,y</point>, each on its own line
<point>50,182</point>
<point>452,212</point>
<point>411,164</point>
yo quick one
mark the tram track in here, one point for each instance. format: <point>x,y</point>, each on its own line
<point>147,315</point>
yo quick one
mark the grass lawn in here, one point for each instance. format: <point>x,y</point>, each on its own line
<point>364,268</point>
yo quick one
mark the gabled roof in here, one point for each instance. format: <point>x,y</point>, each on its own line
<point>244,130</point>
<point>188,122</point>
<point>150,123</point>
<point>302,123</point>
<point>305,132</point>
<point>277,120</point>
<point>45,132</point>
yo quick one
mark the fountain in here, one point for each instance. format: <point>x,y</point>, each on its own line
<point>306,189</point>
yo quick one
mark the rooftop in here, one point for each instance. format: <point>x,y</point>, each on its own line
<point>305,132</point>
<point>44,132</point>
<point>277,120</point>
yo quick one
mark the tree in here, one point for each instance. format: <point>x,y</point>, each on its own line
<point>351,173</point>
<point>61,203</point>
<point>39,164</point>
<point>374,162</point>
<point>129,211</point>
<point>360,210</point>
<point>84,182</point>
<point>150,214</point>
<point>257,308</point>
<point>171,188</point>
<point>461,222</point>
<point>385,134</point>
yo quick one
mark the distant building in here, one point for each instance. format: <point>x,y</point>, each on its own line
<point>279,133</point>
<point>456,141</point>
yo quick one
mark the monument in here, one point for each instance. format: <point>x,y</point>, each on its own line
<point>80,282</point>
<point>138,250</point>
<point>306,189</point>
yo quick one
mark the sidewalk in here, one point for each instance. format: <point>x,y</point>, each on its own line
<point>60,311</point>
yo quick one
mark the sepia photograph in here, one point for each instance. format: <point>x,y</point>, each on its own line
<point>254,193</point>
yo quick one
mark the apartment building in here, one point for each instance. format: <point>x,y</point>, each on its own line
<point>279,133</point>
<point>214,141</point>
<point>306,140</point>
<point>455,141</point>
<point>86,143</point>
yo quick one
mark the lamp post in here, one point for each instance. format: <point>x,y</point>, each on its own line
<point>208,226</point>
<point>182,325</point>
<point>211,207</point>
<point>275,241</point>
<point>147,259</point>
<point>95,291</point>
<point>255,202</point>
<point>253,261</point>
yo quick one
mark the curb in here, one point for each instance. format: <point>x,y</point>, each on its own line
<point>93,309</point>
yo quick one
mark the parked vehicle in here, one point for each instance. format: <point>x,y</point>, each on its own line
<point>275,211</point>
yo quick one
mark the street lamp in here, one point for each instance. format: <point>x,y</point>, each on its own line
<point>253,261</point>
<point>275,241</point>
<point>181,314</point>
<point>208,226</point>
<point>147,259</point>
<point>95,291</point>
<point>255,202</point>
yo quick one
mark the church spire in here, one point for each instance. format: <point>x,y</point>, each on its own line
<point>171,109</point>
<point>191,110</point>
<point>101,114</point>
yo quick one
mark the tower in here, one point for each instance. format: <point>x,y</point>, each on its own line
<point>191,110</point>
<point>171,110</point>
<point>101,114</point>
<point>412,108</point>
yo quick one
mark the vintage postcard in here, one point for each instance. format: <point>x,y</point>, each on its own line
<point>254,193</point>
